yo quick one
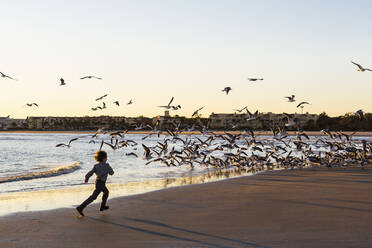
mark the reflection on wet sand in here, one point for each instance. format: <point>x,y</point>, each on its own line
<point>71,196</point>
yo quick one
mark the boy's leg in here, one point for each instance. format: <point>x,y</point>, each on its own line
<point>91,198</point>
<point>104,197</point>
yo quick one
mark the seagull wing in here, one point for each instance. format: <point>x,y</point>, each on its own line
<point>147,150</point>
<point>360,67</point>
<point>72,140</point>
<point>170,101</point>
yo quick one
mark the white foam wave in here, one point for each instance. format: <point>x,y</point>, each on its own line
<point>42,174</point>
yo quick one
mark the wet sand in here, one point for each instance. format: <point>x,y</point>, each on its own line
<point>298,208</point>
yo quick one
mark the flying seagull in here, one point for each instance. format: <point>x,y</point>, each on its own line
<point>30,104</point>
<point>360,114</point>
<point>291,98</point>
<point>302,103</point>
<point>100,98</point>
<point>252,116</point>
<point>254,79</point>
<point>62,82</point>
<point>6,76</point>
<point>176,107</point>
<point>90,77</point>
<point>67,145</point>
<point>361,68</point>
<point>227,90</point>
<point>146,153</point>
<point>290,119</point>
<point>130,102</point>
<point>240,110</point>
<point>117,103</point>
<point>169,104</point>
<point>196,112</point>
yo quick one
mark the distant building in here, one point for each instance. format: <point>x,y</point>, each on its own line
<point>263,122</point>
<point>7,123</point>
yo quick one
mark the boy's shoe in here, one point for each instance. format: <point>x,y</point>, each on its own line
<point>104,208</point>
<point>80,211</point>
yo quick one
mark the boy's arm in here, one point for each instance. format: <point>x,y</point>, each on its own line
<point>110,170</point>
<point>89,174</point>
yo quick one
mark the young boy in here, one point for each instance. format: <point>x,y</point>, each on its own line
<point>102,169</point>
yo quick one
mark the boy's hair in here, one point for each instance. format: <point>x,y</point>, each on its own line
<point>100,156</point>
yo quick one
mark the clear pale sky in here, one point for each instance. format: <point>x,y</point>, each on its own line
<point>149,51</point>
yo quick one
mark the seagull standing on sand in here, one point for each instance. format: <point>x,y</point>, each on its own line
<point>62,82</point>
<point>90,77</point>
<point>361,68</point>
<point>227,90</point>
<point>291,98</point>
<point>6,76</point>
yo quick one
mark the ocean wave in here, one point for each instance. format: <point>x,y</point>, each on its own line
<point>42,174</point>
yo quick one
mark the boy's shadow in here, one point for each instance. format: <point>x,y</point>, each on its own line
<point>159,224</point>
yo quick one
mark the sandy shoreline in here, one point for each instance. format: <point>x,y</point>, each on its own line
<point>298,208</point>
<point>269,133</point>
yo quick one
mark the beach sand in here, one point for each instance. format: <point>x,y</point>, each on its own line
<point>316,207</point>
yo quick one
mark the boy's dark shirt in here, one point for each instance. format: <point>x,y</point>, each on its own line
<point>101,169</point>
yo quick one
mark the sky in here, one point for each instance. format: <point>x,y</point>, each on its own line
<point>151,51</point>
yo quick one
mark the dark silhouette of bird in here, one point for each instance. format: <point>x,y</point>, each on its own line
<point>101,97</point>
<point>62,82</point>
<point>67,145</point>
<point>90,77</point>
<point>254,79</point>
<point>302,103</point>
<point>360,114</point>
<point>31,104</point>
<point>169,104</point>
<point>196,112</point>
<point>361,68</point>
<point>117,103</point>
<point>291,98</point>
<point>227,90</point>
<point>6,76</point>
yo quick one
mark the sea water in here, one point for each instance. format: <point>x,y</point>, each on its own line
<point>37,175</point>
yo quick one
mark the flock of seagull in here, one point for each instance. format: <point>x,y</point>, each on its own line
<point>182,145</point>
<point>197,145</point>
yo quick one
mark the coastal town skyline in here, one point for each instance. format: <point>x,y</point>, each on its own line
<point>147,53</point>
